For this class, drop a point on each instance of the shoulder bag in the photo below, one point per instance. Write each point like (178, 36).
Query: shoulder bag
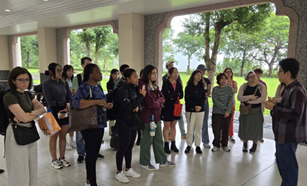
(244, 110)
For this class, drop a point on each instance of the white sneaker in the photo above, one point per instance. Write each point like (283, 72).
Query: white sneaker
(56, 164)
(226, 149)
(232, 139)
(132, 173)
(87, 184)
(68, 147)
(64, 162)
(207, 145)
(149, 167)
(121, 177)
(214, 149)
(73, 144)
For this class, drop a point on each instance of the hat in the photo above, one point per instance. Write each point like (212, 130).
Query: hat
(168, 63)
(246, 75)
(201, 67)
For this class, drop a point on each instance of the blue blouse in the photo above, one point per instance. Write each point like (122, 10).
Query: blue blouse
(83, 92)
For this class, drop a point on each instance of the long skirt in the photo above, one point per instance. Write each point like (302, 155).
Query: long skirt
(251, 125)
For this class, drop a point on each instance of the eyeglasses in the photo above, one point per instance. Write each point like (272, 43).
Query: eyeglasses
(23, 80)
(250, 77)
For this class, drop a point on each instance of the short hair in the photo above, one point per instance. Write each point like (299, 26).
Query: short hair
(292, 65)
(147, 70)
(191, 80)
(123, 67)
(52, 67)
(128, 73)
(85, 58)
(258, 71)
(88, 70)
(15, 73)
(65, 69)
(219, 77)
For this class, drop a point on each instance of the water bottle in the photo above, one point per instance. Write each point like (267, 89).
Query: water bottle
(152, 126)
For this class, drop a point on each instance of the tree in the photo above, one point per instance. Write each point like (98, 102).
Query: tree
(113, 47)
(249, 19)
(87, 36)
(188, 45)
(100, 39)
(271, 42)
(29, 51)
(168, 51)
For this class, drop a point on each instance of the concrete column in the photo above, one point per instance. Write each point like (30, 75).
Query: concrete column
(131, 40)
(18, 53)
(4, 53)
(47, 49)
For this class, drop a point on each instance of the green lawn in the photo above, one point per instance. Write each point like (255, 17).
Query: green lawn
(272, 84)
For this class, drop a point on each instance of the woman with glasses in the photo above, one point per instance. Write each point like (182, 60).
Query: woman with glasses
(251, 123)
(233, 84)
(58, 96)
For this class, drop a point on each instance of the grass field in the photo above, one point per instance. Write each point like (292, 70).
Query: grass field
(272, 84)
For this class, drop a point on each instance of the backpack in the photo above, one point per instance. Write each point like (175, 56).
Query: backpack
(4, 118)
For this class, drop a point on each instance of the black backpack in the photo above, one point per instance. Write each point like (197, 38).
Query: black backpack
(4, 118)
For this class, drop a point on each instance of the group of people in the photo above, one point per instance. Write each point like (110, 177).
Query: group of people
(142, 107)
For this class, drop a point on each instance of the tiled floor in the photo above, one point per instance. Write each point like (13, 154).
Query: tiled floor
(211, 169)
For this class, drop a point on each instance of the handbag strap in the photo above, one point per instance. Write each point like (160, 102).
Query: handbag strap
(255, 89)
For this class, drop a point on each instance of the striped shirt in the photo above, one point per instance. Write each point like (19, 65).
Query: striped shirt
(222, 98)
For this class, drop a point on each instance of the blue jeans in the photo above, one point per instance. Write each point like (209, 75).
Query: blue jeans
(287, 163)
(205, 136)
(80, 144)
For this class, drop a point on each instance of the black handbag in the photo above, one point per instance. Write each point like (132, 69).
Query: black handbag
(25, 135)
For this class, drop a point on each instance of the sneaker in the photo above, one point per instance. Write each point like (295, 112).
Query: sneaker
(56, 164)
(149, 167)
(100, 156)
(207, 145)
(184, 136)
(226, 149)
(262, 140)
(167, 164)
(188, 149)
(64, 162)
(121, 177)
(214, 149)
(232, 139)
(80, 159)
(73, 144)
(198, 150)
(87, 184)
(132, 173)
(68, 147)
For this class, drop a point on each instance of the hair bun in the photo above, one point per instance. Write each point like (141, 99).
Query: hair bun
(47, 73)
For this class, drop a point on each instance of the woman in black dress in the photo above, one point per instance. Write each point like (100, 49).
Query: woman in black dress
(172, 90)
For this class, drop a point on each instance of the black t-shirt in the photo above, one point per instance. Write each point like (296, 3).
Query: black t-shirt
(250, 91)
(207, 82)
(110, 86)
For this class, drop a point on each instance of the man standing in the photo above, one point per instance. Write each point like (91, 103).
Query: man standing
(169, 65)
(289, 121)
(207, 82)
(75, 86)
(122, 69)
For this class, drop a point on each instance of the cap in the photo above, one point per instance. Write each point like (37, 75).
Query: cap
(201, 67)
(168, 63)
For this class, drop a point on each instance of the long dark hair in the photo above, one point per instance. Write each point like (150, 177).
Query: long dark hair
(231, 72)
(113, 71)
(52, 67)
(146, 72)
(170, 71)
(191, 80)
(65, 69)
(88, 70)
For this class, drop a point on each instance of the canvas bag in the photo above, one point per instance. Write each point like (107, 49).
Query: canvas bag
(244, 110)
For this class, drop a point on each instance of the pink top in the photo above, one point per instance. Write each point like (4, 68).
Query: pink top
(262, 82)
(174, 85)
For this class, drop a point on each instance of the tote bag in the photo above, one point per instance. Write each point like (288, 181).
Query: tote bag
(177, 108)
(48, 124)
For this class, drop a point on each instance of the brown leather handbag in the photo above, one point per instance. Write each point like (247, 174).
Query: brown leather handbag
(244, 110)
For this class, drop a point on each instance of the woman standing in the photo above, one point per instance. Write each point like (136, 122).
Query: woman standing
(172, 90)
(233, 84)
(21, 160)
(92, 137)
(130, 99)
(58, 96)
(114, 76)
(195, 97)
(251, 124)
(68, 76)
(222, 97)
(152, 105)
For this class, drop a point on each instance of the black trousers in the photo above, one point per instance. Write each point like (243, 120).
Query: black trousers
(92, 139)
(126, 140)
(219, 123)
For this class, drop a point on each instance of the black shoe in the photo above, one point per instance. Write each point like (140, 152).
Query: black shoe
(138, 142)
(100, 156)
(254, 148)
(1, 171)
(166, 148)
(198, 150)
(173, 147)
(80, 159)
(262, 140)
(188, 149)
(245, 147)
